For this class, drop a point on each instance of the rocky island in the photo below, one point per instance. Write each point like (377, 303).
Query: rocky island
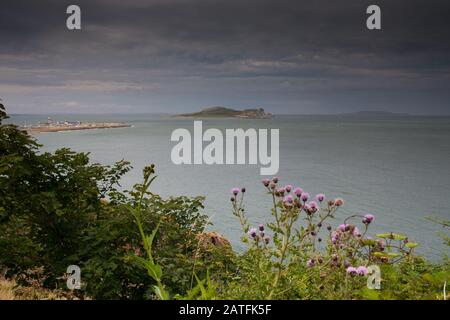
(224, 112)
(57, 126)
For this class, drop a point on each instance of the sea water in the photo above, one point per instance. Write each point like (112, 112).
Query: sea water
(395, 167)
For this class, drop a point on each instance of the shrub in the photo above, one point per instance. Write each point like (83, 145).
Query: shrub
(54, 213)
(112, 247)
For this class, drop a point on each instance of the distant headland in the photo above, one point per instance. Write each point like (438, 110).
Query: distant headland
(371, 113)
(224, 112)
(57, 126)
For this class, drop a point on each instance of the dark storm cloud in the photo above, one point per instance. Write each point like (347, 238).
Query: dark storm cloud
(311, 56)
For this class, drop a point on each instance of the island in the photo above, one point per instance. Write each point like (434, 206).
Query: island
(57, 126)
(224, 112)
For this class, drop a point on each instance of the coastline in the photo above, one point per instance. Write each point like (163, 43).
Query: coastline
(85, 126)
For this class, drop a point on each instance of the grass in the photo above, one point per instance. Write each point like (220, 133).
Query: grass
(9, 290)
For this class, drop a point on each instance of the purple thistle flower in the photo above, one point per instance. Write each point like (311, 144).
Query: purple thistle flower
(261, 227)
(334, 237)
(339, 202)
(368, 218)
(288, 199)
(313, 205)
(352, 271)
(305, 196)
(252, 232)
(362, 271)
(288, 188)
(266, 239)
(298, 191)
(266, 182)
(310, 263)
(342, 227)
(320, 197)
(281, 191)
(235, 191)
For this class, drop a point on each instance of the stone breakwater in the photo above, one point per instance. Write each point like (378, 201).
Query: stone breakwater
(81, 126)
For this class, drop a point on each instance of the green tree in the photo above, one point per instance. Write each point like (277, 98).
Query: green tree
(46, 202)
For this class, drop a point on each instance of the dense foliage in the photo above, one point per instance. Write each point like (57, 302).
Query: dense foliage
(59, 209)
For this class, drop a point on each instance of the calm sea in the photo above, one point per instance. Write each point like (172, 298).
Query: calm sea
(397, 168)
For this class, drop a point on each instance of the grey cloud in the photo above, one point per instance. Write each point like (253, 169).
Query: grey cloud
(303, 56)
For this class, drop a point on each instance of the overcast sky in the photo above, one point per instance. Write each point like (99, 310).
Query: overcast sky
(299, 56)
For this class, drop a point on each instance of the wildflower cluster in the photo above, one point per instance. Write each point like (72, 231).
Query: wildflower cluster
(297, 231)
(360, 271)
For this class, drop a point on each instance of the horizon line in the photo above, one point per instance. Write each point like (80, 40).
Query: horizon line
(355, 113)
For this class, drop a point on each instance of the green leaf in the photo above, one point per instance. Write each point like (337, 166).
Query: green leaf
(201, 286)
(380, 254)
(394, 236)
(151, 238)
(397, 236)
(411, 245)
(161, 293)
(393, 254)
(386, 254)
(154, 270)
(368, 242)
